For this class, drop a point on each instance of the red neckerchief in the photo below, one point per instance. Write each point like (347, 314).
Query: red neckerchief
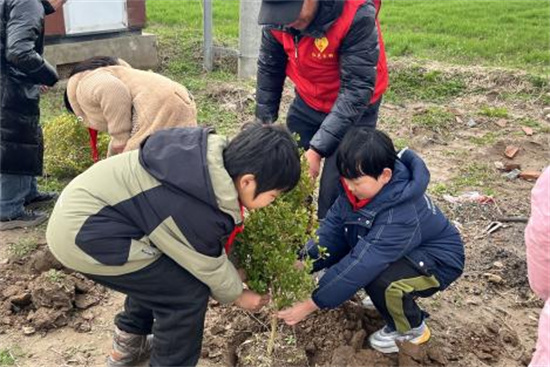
(235, 232)
(93, 144)
(355, 202)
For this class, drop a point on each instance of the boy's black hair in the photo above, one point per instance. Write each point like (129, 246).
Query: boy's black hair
(365, 151)
(269, 152)
(89, 64)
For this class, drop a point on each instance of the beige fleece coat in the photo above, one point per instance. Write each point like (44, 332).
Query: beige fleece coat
(129, 104)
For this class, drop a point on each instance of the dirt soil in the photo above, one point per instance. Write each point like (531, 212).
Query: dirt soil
(50, 316)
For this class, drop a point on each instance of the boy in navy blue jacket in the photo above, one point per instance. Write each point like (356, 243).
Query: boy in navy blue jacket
(384, 234)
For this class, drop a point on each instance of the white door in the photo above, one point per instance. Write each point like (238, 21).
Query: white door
(95, 16)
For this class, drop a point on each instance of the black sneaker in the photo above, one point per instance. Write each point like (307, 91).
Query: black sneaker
(41, 199)
(28, 219)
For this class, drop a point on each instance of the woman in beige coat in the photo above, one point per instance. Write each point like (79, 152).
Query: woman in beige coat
(129, 104)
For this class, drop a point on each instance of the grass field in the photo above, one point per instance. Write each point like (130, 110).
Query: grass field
(509, 33)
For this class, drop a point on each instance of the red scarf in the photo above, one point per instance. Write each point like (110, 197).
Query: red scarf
(355, 202)
(238, 229)
(93, 144)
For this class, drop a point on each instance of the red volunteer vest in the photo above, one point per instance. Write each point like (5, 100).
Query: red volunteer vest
(313, 64)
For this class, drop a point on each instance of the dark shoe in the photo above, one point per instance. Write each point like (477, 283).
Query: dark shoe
(41, 199)
(27, 220)
(129, 349)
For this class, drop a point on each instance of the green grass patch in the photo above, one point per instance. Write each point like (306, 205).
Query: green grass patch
(440, 189)
(23, 247)
(529, 122)
(6, 358)
(9, 356)
(496, 112)
(416, 83)
(434, 118)
(55, 276)
(474, 176)
(486, 139)
(512, 33)
(400, 143)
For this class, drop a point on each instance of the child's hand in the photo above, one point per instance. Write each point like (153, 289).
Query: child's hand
(252, 301)
(314, 162)
(298, 312)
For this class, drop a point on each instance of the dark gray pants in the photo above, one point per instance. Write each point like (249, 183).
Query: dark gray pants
(166, 300)
(305, 121)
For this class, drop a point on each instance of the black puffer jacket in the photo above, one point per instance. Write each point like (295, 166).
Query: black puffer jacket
(22, 71)
(359, 54)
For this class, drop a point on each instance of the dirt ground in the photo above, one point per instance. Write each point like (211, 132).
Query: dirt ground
(53, 317)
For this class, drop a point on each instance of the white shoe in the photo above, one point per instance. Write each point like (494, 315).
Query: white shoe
(384, 340)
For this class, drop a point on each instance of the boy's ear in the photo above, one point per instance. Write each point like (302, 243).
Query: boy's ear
(246, 180)
(386, 175)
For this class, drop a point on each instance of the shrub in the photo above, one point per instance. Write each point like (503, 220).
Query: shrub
(67, 149)
(267, 249)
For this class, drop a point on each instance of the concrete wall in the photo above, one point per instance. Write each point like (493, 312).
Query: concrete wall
(140, 50)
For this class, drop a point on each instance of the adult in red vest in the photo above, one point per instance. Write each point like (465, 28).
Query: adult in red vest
(333, 52)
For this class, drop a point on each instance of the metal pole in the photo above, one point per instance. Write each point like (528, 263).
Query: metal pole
(207, 35)
(250, 34)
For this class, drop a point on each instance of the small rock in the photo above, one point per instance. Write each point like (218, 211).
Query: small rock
(28, 330)
(437, 355)
(500, 123)
(511, 166)
(84, 301)
(458, 119)
(471, 301)
(492, 328)
(512, 175)
(217, 329)
(527, 130)
(88, 315)
(499, 165)
(511, 151)
(493, 278)
(529, 175)
(21, 299)
(498, 264)
(547, 117)
(310, 348)
(546, 110)
(471, 123)
(358, 339)
(414, 351)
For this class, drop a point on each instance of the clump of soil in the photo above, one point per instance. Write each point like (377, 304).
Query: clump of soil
(37, 295)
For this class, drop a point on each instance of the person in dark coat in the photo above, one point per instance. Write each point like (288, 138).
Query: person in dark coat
(333, 52)
(23, 73)
(384, 234)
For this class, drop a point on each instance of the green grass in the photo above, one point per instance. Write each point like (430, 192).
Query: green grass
(6, 358)
(416, 83)
(23, 247)
(9, 356)
(434, 118)
(496, 112)
(485, 140)
(511, 33)
(474, 176)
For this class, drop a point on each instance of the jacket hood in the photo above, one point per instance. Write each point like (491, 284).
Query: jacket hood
(409, 182)
(190, 160)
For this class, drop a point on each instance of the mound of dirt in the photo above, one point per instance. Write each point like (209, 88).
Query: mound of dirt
(37, 295)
